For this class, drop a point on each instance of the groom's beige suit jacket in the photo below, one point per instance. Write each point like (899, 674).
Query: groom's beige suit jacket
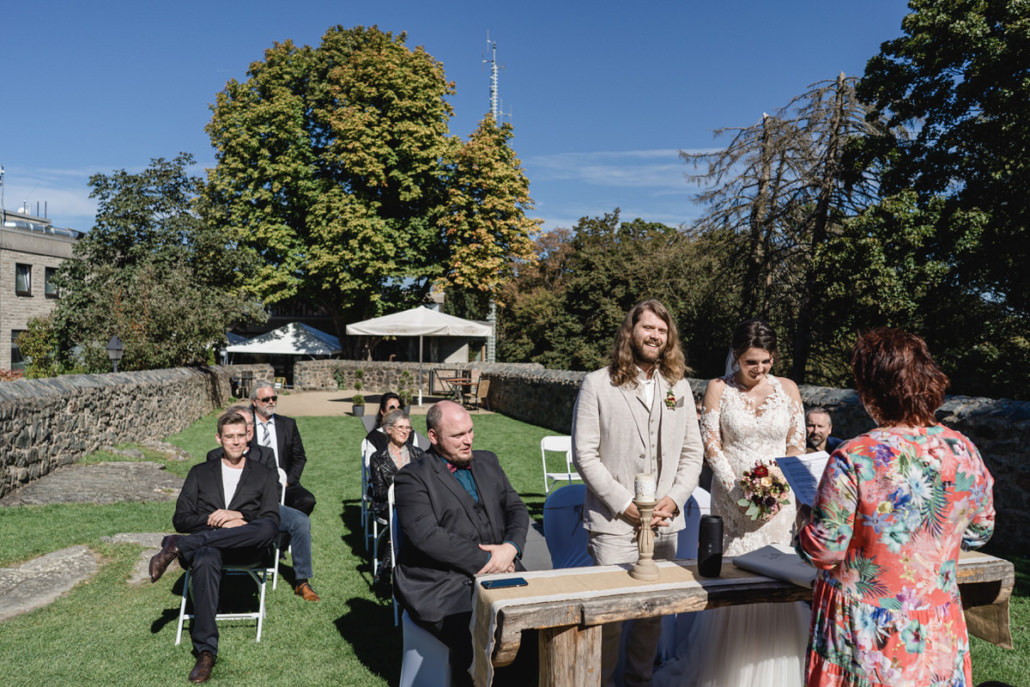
(614, 438)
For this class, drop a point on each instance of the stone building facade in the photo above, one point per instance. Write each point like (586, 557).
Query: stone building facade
(31, 249)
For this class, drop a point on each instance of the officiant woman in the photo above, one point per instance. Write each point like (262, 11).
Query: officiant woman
(894, 508)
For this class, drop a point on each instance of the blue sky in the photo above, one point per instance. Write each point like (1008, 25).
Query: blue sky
(602, 95)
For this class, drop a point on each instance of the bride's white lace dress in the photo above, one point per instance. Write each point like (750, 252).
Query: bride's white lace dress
(757, 645)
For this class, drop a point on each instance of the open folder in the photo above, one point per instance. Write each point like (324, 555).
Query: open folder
(803, 474)
(779, 562)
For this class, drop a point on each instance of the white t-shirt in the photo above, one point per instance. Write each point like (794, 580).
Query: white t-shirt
(230, 480)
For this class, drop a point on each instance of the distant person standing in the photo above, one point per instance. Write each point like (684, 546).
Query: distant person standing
(636, 416)
(280, 434)
(818, 425)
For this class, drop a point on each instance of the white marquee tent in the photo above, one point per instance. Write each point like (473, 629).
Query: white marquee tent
(420, 322)
(295, 338)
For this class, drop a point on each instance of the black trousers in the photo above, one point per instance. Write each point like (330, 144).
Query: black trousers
(205, 553)
(300, 498)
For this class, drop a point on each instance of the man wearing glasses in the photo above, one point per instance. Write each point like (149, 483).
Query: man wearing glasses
(280, 434)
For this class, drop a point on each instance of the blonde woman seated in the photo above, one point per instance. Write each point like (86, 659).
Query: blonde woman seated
(384, 465)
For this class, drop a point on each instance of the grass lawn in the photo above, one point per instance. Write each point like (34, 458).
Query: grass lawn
(108, 631)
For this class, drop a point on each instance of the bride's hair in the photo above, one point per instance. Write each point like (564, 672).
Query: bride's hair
(623, 367)
(753, 334)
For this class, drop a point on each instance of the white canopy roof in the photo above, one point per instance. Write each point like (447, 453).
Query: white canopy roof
(420, 321)
(295, 338)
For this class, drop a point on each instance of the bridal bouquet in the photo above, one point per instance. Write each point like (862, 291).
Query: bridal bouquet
(765, 491)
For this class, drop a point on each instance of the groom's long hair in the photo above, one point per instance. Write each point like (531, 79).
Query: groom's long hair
(623, 367)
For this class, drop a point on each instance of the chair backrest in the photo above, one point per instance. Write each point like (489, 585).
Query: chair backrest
(282, 483)
(697, 505)
(563, 527)
(556, 443)
(392, 510)
(421, 440)
(482, 389)
(367, 449)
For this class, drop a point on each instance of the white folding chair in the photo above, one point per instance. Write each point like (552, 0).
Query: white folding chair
(563, 527)
(278, 540)
(367, 449)
(426, 660)
(557, 444)
(257, 572)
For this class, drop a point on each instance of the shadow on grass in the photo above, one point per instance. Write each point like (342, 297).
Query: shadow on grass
(376, 642)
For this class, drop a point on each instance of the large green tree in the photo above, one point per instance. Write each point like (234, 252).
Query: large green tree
(959, 78)
(336, 170)
(150, 271)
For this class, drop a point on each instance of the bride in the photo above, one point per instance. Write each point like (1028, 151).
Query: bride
(748, 415)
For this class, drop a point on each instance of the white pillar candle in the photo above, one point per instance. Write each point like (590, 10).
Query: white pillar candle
(644, 486)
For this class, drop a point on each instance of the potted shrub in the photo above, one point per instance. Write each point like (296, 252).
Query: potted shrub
(405, 391)
(358, 401)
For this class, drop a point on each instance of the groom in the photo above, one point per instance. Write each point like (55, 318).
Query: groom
(636, 416)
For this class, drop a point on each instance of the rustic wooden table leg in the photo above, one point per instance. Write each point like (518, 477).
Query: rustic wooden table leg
(570, 656)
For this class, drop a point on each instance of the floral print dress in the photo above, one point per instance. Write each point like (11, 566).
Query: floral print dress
(893, 509)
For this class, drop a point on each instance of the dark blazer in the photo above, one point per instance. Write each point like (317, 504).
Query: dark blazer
(441, 528)
(256, 497)
(288, 446)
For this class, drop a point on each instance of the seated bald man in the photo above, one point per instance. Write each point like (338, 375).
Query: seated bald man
(459, 517)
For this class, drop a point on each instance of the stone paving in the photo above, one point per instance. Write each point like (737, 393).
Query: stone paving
(38, 582)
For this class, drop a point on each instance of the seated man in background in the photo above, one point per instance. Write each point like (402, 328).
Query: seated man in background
(818, 425)
(280, 434)
(459, 517)
(292, 522)
(230, 508)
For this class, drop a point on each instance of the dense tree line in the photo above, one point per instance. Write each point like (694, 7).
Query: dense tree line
(897, 199)
(337, 184)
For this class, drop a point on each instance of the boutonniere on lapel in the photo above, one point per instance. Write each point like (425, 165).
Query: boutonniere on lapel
(670, 400)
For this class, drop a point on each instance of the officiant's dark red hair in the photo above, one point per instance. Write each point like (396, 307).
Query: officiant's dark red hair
(896, 377)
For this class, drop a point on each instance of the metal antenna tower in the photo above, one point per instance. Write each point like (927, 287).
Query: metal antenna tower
(495, 110)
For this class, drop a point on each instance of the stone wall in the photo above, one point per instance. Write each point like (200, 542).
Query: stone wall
(47, 423)
(999, 428)
(382, 376)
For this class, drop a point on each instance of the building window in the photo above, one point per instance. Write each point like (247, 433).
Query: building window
(49, 287)
(18, 361)
(23, 279)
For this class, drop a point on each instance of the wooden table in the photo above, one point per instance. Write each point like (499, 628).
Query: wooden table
(568, 607)
(459, 384)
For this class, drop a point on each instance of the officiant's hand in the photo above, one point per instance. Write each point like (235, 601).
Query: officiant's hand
(803, 517)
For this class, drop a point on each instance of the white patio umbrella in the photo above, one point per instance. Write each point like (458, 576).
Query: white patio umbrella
(420, 322)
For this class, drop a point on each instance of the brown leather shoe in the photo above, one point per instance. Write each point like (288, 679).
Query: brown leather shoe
(163, 558)
(202, 668)
(305, 591)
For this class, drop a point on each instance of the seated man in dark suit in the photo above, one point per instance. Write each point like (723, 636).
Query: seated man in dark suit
(818, 425)
(230, 508)
(280, 434)
(292, 522)
(459, 517)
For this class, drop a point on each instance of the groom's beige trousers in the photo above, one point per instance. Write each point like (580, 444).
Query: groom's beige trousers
(642, 642)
